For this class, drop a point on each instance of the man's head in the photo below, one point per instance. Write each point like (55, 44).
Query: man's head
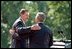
(24, 14)
(40, 17)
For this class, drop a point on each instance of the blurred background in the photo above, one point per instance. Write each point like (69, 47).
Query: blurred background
(58, 17)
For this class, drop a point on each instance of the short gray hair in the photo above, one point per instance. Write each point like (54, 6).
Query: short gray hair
(41, 16)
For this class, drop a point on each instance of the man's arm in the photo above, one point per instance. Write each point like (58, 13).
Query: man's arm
(51, 40)
(18, 25)
(14, 34)
(23, 30)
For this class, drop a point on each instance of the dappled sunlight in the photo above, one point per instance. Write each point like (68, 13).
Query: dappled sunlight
(58, 18)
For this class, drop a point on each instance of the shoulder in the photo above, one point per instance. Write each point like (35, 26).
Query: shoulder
(18, 21)
(48, 28)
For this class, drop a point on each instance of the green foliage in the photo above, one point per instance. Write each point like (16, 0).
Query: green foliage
(58, 16)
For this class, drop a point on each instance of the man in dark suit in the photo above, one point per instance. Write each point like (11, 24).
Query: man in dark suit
(19, 39)
(42, 38)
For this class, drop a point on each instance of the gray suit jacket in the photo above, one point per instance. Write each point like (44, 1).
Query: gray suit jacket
(19, 41)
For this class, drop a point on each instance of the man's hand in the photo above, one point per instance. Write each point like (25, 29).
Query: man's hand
(14, 34)
(11, 31)
(35, 27)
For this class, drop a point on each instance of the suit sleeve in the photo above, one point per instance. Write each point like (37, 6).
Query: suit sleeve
(50, 34)
(15, 35)
(51, 39)
(23, 30)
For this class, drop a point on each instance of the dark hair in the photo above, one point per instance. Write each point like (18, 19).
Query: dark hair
(22, 11)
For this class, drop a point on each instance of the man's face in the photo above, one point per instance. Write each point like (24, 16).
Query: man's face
(25, 16)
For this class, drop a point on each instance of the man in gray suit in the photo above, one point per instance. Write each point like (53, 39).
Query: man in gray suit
(19, 39)
(42, 38)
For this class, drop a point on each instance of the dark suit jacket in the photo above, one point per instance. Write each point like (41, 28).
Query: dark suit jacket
(19, 41)
(40, 38)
